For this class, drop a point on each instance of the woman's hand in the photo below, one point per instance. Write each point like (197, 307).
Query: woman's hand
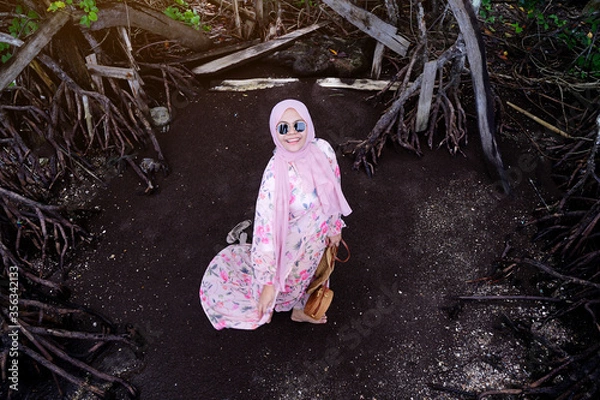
(265, 300)
(334, 240)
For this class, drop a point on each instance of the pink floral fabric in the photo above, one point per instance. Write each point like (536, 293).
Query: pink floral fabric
(232, 282)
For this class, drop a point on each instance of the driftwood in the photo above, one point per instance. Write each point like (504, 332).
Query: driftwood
(253, 52)
(392, 12)
(357, 84)
(367, 151)
(214, 53)
(426, 95)
(467, 21)
(371, 25)
(447, 99)
(151, 21)
(447, 102)
(29, 51)
(242, 85)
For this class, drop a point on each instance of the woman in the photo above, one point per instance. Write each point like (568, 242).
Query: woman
(298, 213)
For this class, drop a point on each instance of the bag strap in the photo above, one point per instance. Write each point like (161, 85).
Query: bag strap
(347, 251)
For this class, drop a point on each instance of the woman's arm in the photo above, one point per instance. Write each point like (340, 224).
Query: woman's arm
(335, 222)
(263, 247)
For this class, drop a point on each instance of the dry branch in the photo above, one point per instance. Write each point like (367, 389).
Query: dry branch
(81, 365)
(29, 51)
(540, 121)
(32, 220)
(9, 39)
(48, 345)
(358, 84)
(371, 25)
(48, 364)
(253, 52)
(135, 15)
(371, 147)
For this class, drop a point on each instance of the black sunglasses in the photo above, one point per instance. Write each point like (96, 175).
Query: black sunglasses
(283, 128)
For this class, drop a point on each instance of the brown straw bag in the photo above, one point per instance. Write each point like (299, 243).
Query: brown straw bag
(321, 295)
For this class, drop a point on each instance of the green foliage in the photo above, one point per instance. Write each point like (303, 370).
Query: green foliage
(181, 11)
(88, 6)
(21, 26)
(486, 12)
(582, 41)
(517, 27)
(545, 22)
(581, 38)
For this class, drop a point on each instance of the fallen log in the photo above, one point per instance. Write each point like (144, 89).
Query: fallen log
(371, 25)
(214, 53)
(253, 52)
(242, 85)
(357, 84)
(150, 20)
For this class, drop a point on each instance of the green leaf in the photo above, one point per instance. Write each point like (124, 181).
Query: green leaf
(57, 5)
(85, 21)
(170, 12)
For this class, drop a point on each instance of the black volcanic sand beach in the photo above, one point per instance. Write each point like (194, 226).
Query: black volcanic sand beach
(423, 231)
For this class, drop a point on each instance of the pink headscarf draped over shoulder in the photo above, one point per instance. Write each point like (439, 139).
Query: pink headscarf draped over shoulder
(314, 168)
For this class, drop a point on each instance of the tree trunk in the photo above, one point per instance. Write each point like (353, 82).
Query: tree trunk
(467, 22)
(147, 19)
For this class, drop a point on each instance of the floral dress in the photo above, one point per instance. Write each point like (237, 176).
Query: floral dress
(232, 282)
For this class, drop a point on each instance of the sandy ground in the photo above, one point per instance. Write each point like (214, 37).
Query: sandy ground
(422, 229)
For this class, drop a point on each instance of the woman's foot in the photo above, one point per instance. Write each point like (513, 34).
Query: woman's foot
(298, 315)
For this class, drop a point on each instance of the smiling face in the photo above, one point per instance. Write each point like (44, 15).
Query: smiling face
(293, 140)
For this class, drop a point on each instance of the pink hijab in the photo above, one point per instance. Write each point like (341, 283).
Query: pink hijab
(314, 168)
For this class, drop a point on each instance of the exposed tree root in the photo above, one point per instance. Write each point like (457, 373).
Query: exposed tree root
(397, 123)
(571, 231)
(41, 326)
